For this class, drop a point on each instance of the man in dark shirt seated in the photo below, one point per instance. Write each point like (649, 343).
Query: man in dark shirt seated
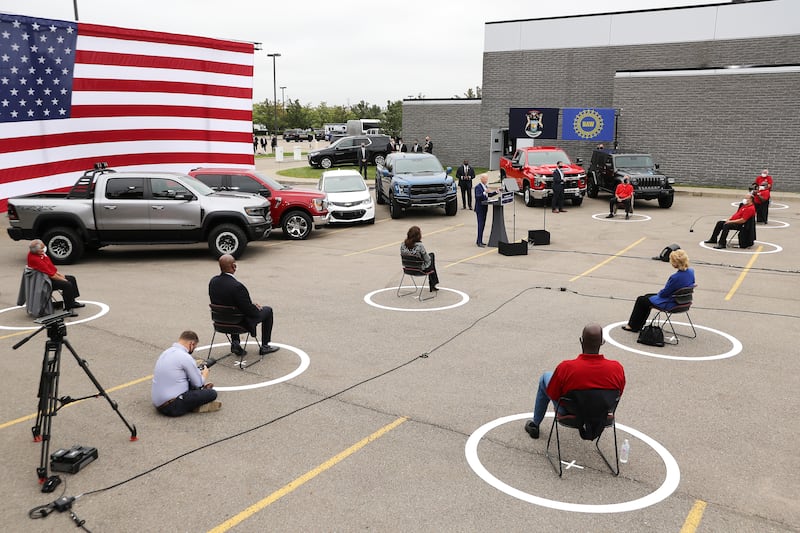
(225, 289)
(745, 212)
(590, 370)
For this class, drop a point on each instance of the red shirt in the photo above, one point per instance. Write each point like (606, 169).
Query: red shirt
(42, 263)
(746, 212)
(587, 371)
(762, 195)
(623, 191)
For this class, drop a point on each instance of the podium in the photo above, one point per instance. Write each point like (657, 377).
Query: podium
(498, 223)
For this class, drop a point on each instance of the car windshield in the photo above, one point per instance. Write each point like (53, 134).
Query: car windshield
(417, 165)
(550, 157)
(344, 184)
(200, 187)
(271, 182)
(634, 161)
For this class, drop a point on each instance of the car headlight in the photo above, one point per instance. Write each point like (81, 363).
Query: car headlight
(670, 180)
(320, 204)
(634, 181)
(255, 211)
(367, 202)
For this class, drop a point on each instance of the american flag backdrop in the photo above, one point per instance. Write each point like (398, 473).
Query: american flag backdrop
(72, 94)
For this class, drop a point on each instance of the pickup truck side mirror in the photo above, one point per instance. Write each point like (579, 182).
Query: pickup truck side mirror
(579, 161)
(385, 173)
(448, 170)
(187, 197)
(657, 166)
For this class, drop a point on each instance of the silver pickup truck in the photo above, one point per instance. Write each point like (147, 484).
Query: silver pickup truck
(107, 207)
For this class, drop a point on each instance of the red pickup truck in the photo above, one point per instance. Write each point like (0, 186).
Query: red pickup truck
(533, 167)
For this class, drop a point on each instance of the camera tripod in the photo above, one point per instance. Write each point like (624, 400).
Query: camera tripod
(49, 402)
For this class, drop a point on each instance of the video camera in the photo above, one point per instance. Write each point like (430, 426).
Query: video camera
(208, 363)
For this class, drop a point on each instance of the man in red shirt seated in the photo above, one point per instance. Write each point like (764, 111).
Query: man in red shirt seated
(68, 285)
(590, 370)
(623, 194)
(745, 212)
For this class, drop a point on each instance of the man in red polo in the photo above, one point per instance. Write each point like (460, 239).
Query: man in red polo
(590, 370)
(68, 285)
(623, 194)
(762, 188)
(745, 212)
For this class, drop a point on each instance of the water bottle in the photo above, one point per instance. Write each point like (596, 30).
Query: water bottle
(623, 453)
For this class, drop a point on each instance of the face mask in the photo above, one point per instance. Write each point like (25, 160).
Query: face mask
(764, 174)
(44, 249)
(744, 200)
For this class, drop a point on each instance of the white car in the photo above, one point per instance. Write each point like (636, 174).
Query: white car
(349, 199)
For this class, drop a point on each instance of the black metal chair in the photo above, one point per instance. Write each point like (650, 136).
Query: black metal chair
(43, 303)
(746, 234)
(229, 320)
(413, 268)
(589, 411)
(683, 298)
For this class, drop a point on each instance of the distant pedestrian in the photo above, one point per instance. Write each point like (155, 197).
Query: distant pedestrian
(400, 146)
(428, 148)
(762, 188)
(416, 147)
(482, 194)
(464, 175)
(274, 142)
(363, 159)
(558, 188)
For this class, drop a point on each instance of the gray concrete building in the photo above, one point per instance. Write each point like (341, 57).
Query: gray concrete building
(711, 91)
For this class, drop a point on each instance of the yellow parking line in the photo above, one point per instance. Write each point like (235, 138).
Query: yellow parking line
(23, 332)
(609, 259)
(112, 389)
(740, 279)
(308, 476)
(396, 243)
(693, 519)
(487, 252)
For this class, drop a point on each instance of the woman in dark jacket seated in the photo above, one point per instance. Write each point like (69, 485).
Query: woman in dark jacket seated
(684, 277)
(413, 246)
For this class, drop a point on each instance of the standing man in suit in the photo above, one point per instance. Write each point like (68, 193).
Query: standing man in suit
(465, 175)
(558, 188)
(392, 147)
(225, 289)
(416, 147)
(482, 194)
(400, 146)
(428, 148)
(363, 159)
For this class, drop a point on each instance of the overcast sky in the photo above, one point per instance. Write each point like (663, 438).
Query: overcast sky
(341, 51)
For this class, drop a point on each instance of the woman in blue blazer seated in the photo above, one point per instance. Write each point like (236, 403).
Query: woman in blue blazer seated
(684, 277)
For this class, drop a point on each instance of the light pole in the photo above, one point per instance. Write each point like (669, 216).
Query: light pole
(274, 93)
(283, 97)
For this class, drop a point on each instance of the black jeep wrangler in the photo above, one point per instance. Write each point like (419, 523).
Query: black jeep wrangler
(609, 166)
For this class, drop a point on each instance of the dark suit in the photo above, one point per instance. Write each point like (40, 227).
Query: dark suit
(363, 158)
(224, 289)
(481, 209)
(558, 189)
(401, 147)
(465, 175)
(416, 148)
(428, 147)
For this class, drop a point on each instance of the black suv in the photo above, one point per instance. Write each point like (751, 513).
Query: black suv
(345, 151)
(298, 135)
(609, 166)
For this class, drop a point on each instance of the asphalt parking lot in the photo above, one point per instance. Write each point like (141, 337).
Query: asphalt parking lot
(389, 414)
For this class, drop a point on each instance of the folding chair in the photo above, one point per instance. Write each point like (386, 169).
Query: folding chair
(746, 234)
(37, 295)
(589, 411)
(683, 298)
(412, 267)
(229, 320)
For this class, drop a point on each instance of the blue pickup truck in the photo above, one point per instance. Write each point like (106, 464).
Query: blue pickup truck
(415, 180)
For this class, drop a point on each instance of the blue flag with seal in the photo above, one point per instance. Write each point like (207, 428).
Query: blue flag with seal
(587, 124)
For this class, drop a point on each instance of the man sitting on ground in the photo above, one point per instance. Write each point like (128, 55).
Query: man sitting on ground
(623, 194)
(179, 386)
(68, 285)
(590, 370)
(745, 212)
(225, 289)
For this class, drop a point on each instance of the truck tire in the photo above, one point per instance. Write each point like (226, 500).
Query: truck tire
(63, 245)
(227, 239)
(379, 199)
(527, 195)
(394, 209)
(592, 188)
(296, 225)
(451, 208)
(378, 159)
(665, 202)
(326, 162)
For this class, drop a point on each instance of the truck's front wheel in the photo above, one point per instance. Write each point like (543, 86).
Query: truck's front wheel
(63, 245)
(451, 208)
(296, 225)
(395, 211)
(227, 239)
(527, 194)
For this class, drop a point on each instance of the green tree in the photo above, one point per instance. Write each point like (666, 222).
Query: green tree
(298, 115)
(392, 119)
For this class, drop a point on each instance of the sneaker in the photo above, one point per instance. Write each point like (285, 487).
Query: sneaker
(209, 407)
(265, 349)
(610, 215)
(236, 349)
(532, 429)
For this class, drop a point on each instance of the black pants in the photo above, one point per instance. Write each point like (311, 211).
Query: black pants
(721, 229)
(433, 277)
(188, 401)
(614, 203)
(641, 310)
(265, 316)
(762, 212)
(558, 198)
(362, 168)
(466, 193)
(68, 288)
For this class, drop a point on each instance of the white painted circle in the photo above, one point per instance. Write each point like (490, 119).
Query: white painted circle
(103, 310)
(729, 250)
(621, 218)
(735, 349)
(773, 205)
(305, 361)
(669, 485)
(368, 299)
(780, 224)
